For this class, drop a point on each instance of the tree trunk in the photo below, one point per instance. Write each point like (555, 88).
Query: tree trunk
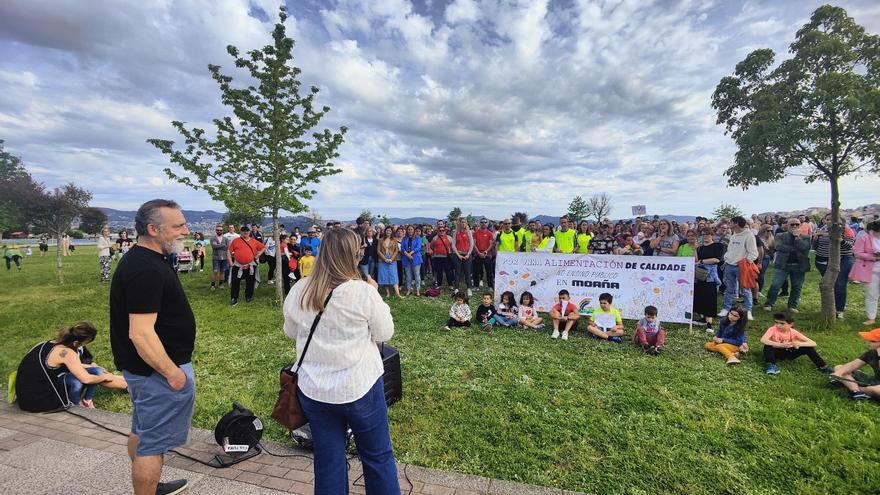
(279, 281)
(826, 285)
(59, 270)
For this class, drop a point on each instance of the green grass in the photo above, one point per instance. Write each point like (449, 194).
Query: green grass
(581, 415)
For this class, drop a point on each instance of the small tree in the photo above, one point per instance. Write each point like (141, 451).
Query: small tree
(239, 218)
(56, 211)
(19, 193)
(522, 216)
(725, 210)
(384, 220)
(454, 214)
(315, 218)
(366, 216)
(263, 158)
(816, 115)
(471, 220)
(577, 209)
(599, 206)
(92, 221)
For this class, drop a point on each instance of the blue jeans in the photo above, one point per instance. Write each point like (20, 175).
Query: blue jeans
(846, 264)
(369, 269)
(765, 265)
(731, 284)
(780, 274)
(505, 322)
(413, 275)
(75, 387)
(368, 419)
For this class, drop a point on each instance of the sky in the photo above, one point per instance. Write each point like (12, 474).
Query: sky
(493, 106)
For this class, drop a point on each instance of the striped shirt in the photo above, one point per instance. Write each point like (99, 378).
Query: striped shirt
(343, 361)
(823, 243)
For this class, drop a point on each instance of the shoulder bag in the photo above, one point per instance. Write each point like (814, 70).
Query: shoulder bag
(287, 410)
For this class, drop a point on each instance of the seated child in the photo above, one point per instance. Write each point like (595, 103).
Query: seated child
(782, 341)
(649, 334)
(563, 311)
(606, 323)
(527, 315)
(459, 313)
(507, 311)
(486, 313)
(730, 339)
(862, 385)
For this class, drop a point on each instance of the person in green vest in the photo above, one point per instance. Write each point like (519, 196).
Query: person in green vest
(12, 255)
(523, 236)
(565, 237)
(547, 240)
(506, 239)
(690, 247)
(582, 241)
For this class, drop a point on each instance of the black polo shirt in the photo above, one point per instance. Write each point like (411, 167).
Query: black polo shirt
(143, 283)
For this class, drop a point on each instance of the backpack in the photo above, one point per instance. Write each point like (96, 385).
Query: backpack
(433, 292)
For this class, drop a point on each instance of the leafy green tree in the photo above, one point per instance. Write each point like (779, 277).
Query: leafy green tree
(523, 217)
(815, 115)
(92, 221)
(471, 220)
(19, 193)
(239, 218)
(366, 216)
(56, 210)
(454, 214)
(727, 211)
(598, 206)
(265, 157)
(577, 209)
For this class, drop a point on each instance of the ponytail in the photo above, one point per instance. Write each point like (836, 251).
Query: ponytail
(81, 332)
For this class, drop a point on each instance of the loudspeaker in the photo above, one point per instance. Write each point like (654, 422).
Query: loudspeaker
(392, 377)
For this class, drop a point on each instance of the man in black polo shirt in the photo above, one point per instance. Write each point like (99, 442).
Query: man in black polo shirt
(152, 334)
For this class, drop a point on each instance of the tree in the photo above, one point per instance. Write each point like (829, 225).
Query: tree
(239, 218)
(384, 220)
(366, 216)
(19, 193)
(454, 214)
(577, 209)
(523, 217)
(55, 211)
(599, 206)
(92, 221)
(727, 211)
(471, 220)
(262, 158)
(815, 115)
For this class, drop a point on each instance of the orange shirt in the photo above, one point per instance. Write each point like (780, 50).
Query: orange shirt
(242, 253)
(775, 335)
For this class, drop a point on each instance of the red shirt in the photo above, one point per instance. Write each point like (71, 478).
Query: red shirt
(440, 245)
(463, 242)
(241, 253)
(482, 239)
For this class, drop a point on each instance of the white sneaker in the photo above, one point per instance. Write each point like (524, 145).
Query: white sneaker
(749, 314)
(470, 293)
(271, 282)
(565, 335)
(840, 315)
(722, 313)
(733, 360)
(793, 311)
(555, 334)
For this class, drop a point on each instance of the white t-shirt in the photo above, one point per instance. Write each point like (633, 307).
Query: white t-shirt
(876, 250)
(343, 362)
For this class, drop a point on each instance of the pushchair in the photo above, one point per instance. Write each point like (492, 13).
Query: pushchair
(184, 262)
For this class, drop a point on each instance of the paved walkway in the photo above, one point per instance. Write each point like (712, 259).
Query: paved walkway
(83, 458)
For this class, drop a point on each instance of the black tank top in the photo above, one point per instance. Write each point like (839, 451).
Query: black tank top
(38, 387)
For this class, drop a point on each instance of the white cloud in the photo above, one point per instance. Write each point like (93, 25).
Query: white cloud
(462, 11)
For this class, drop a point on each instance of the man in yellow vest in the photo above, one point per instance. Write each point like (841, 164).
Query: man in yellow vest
(506, 240)
(523, 236)
(565, 237)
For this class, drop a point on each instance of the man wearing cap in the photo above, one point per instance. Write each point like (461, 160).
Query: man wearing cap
(242, 255)
(861, 385)
(484, 243)
(310, 241)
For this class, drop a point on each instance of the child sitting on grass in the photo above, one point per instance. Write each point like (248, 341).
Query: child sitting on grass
(649, 334)
(606, 323)
(486, 313)
(563, 311)
(730, 339)
(507, 310)
(528, 317)
(782, 341)
(459, 313)
(862, 385)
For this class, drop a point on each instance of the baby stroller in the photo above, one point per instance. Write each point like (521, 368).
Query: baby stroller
(184, 262)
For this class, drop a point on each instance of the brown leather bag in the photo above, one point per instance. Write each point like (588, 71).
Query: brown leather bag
(287, 410)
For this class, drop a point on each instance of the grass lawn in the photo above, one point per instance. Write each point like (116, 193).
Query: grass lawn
(581, 415)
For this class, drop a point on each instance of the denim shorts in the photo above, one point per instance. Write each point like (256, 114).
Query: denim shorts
(219, 265)
(160, 415)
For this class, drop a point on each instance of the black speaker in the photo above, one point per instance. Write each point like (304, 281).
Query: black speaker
(392, 378)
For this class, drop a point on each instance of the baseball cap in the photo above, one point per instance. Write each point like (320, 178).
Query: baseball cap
(245, 227)
(871, 335)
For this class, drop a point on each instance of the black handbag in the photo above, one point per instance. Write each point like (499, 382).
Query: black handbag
(287, 410)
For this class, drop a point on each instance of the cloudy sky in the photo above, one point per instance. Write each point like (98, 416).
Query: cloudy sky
(493, 106)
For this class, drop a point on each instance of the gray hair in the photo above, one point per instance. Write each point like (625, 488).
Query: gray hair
(149, 214)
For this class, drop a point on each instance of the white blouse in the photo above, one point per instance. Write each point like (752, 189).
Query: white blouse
(343, 362)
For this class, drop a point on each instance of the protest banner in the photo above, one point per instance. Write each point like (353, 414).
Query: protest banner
(634, 281)
(639, 210)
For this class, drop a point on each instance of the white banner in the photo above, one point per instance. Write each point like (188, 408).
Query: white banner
(666, 282)
(639, 210)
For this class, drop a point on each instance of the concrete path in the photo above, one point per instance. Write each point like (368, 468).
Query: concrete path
(59, 453)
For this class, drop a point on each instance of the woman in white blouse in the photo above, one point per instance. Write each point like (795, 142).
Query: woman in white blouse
(105, 254)
(340, 382)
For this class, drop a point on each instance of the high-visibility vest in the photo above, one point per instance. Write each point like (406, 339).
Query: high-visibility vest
(583, 242)
(565, 240)
(507, 242)
(543, 243)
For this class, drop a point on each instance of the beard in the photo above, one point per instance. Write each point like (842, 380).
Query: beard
(173, 247)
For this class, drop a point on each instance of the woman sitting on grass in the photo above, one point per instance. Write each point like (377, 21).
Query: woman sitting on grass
(52, 375)
(730, 339)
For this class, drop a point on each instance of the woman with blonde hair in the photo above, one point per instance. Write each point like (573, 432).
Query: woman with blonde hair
(389, 252)
(339, 319)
